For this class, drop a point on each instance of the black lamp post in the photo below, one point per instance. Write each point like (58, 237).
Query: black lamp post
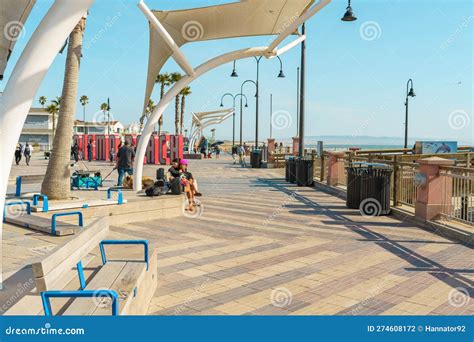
(410, 93)
(233, 114)
(257, 95)
(108, 116)
(349, 15)
(241, 120)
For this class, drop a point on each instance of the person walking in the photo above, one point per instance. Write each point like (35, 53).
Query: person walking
(27, 153)
(75, 152)
(125, 157)
(241, 151)
(18, 151)
(89, 151)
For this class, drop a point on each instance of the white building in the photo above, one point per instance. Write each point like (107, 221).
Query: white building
(98, 127)
(38, 129)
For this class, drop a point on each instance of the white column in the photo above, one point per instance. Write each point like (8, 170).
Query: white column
(27, 75)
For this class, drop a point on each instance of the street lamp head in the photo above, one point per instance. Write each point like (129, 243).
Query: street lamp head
(281, 74)
(349, 15)
(234, 74)
(246, 105)
(411, 93)
(222, 105)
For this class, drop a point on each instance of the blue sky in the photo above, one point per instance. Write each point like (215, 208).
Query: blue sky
(356, 72)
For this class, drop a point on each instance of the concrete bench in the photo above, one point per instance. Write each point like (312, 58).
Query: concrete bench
(53, 226)
(27, 179)
(120, 287)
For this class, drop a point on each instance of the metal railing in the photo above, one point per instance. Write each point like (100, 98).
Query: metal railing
(404, 184)
(458, 192)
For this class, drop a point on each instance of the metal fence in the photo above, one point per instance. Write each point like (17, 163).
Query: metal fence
(458, 190)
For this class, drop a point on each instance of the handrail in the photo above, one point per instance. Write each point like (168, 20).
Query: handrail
(124, 242)
(45, 296)
(55, 216)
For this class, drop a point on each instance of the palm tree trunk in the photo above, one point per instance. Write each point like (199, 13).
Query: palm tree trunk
(176, 115)
(181, 120)
(56, 184)
(160, 121)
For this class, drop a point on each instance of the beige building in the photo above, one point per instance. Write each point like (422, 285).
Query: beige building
(38, 129)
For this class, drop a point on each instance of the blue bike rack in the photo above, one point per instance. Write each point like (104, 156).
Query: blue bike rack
(18, 186)
(9, 204)
(119, 193)
(45, 296)
(124, 242)
(36, 198)
(55, 216)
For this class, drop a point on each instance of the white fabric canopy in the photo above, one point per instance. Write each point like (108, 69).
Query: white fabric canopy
(13, 14)
(239, 19)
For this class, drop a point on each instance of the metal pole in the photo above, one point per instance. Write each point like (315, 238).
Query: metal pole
(257, 101)
(233, 123)
(302, 96)
(241, 91)
(108, 116)
(271, 115)
(297, 99)
(406, 123)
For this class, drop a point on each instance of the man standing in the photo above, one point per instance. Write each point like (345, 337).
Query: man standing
(89, 151)
(125, 157)
(18, 152)
(27, 153)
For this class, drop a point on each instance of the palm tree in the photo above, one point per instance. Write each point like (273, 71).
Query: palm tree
(104, 107)
(42, 100)
(84, 100)
(164, 80)
(175, 77)
(53, 109)
(185, 92)
(57, 183)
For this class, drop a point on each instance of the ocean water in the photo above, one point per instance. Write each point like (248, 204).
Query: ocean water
(343, 147)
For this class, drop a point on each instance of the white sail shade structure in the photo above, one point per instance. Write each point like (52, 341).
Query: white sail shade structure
(203, 120)
(169, 30)
(13, 15)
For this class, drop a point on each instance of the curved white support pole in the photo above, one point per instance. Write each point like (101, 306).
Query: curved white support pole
(27, 75)
(212, 121)
(170, 95)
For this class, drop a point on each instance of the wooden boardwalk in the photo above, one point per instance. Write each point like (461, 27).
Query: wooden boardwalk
(261, 246)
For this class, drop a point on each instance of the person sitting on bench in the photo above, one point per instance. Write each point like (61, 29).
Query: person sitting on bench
(173, 171)
(188, 182)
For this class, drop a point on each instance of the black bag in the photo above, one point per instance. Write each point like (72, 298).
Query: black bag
(176, 186)
(160, 173)
(159, 188)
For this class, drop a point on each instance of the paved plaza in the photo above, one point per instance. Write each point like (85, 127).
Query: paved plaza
(260, 246)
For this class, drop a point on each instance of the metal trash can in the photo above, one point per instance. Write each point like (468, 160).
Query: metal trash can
(368, 188)
(290, 169)
(256, 159)
(304, 172)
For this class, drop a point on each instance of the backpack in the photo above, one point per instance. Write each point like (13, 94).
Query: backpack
(159, 188)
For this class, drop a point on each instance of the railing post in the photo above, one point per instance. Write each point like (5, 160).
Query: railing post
(296, 144)
(323, 168)
(436, 190)
(395, 181)
(335, 168)
(271, 150)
